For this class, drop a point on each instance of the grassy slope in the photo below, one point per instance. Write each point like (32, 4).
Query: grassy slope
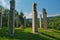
(26, 34)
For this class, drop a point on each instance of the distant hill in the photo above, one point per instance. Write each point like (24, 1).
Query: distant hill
(53, 22)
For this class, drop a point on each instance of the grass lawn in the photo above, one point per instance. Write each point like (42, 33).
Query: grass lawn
(26, 34)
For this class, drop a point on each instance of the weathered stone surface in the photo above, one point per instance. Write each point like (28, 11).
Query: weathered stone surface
(40, 21)
(17, 20)
(0, 19)
(24, 21)
(34, 18)
(11, 17)
(45, 18)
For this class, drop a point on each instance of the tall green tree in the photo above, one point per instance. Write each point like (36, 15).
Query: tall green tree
(5, 17)
(1, 8)
(21, 20)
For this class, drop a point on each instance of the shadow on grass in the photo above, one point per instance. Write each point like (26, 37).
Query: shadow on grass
(50, 36)
(56, 31)
(20, 35)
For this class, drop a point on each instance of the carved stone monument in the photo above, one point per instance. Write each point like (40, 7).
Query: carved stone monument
(24, 21)
(17, 20)
(34, 18)
(45, 18)
(40, 21)
(11, 17)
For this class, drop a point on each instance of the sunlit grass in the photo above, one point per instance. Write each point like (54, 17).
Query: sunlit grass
(26, 34)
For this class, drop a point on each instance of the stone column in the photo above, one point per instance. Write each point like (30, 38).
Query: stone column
(0, 19)
(34, 18)
(25, 21)
(40, 21)
(45, 18)
(8, 20)
(11, 17)
(17, 21)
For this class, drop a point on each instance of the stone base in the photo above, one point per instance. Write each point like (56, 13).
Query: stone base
(36, 32)
(22, 27)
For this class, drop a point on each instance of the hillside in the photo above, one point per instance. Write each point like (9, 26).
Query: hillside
(53, 22)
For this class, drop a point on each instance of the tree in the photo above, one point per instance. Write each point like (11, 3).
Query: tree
(1, 8)
(21, 20)
(5, 17)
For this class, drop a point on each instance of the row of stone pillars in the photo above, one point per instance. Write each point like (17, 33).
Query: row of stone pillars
(44, 21)
(11, 20)
(34, 19)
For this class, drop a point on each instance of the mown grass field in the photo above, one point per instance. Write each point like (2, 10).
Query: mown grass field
(26, 34)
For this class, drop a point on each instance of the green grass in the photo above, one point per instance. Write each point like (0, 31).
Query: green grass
(26, 34)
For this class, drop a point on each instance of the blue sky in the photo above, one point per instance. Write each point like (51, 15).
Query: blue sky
(52, 6)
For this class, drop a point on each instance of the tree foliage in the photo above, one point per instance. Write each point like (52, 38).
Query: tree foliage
(21, 18)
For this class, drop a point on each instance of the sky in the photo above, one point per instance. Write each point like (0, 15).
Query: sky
(52, 6)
